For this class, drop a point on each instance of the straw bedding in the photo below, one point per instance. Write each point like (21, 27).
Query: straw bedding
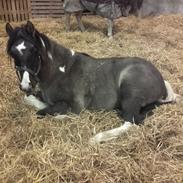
(50, 150)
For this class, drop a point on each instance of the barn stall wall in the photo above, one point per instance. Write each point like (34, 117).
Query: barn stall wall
(46, 8)
(20, 10)
(14, 10)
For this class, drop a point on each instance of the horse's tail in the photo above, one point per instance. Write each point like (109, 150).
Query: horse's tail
(171, 96)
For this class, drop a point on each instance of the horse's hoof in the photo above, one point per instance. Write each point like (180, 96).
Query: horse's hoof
(41, 113)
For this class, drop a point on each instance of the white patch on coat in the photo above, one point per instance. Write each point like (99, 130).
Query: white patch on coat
(171, 96)
(35, 102)
(122, 75)
(42, 42)
(50, 56)
(62, 69)
(25, 81)
(72, 52)
(63, 116)
(21, 47)
(111, 134)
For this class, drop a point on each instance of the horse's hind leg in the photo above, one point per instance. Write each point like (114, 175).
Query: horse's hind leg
(171, 96)
(67, 21)
(110, 27)
(131, 110)
(80, 24)
(131, 114)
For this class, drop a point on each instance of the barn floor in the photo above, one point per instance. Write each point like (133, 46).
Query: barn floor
(49, 150)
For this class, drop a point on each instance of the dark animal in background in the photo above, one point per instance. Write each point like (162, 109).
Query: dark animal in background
(110, 9)
(113, 9)
(159, 7)
(71, 81)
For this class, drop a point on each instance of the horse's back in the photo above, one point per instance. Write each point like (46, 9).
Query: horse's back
(72, 6)
(116, 78)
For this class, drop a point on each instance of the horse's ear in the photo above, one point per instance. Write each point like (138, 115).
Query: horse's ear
(9, 29)
(30, 28)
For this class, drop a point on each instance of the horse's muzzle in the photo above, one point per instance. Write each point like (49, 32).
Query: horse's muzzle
(27, 89)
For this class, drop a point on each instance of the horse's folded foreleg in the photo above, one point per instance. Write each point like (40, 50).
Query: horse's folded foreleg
(35, 101)
(58, 108)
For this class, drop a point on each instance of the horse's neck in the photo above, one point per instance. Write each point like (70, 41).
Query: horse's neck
(56, 56)
(61, 55)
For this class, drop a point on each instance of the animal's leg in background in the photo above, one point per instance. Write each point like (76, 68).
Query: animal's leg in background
(138, 14)
(80, 24)
(67, 21)
(110, 27)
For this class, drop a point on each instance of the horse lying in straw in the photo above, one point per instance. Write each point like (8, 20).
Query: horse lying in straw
(70, 81)
(113, 9)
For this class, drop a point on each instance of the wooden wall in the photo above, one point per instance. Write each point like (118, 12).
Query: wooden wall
(47, 8)
(19, 10)
(15, 10)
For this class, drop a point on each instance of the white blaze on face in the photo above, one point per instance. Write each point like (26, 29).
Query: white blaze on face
(25, 81)
(21, 47)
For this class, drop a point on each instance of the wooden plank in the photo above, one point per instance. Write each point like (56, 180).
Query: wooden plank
(5, 10)
(47, 8)
(25, 9)
(46, 4)
(45, 11)
(21, 8)
(47, 16)
(1, 11)
(13, 10)
(45, 1)
(8, 5)
(17, 7)
(29, 8)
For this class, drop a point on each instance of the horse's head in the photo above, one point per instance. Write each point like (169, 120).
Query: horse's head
(24, 46)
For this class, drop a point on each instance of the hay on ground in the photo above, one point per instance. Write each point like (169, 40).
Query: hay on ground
(48, 150)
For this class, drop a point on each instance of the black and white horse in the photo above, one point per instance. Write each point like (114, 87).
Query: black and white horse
(70, 81)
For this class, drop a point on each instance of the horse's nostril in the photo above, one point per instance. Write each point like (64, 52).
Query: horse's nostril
(25, 89)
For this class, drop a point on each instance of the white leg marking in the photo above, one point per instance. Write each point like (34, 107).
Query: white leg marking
(111, 134)
(21, 47)
(33, 101)
(62, 69)
(62, 116)
(72, 52)
(171, 96)
(25, 81)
